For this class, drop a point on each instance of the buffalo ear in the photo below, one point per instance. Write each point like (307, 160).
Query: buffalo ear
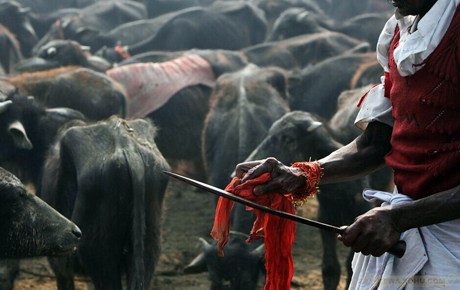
(17, 131)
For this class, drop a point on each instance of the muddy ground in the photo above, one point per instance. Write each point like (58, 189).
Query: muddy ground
(188, 215)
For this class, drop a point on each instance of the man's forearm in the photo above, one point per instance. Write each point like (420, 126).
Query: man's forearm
(357, 159)
(436, 208)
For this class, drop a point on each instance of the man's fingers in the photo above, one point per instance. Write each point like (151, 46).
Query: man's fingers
(256, 171)
(242, 168)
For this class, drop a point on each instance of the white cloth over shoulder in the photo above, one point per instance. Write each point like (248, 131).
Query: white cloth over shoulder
(418, 39)
(431, 260)
(375, 107)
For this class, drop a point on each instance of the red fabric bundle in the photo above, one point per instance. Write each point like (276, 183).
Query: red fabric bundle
(278, 232)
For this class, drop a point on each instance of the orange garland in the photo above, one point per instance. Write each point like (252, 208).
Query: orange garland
(313, 172)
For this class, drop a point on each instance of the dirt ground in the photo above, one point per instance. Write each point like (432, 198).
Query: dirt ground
(188, 215)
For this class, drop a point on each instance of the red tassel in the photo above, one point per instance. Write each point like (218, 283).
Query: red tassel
(279, 233)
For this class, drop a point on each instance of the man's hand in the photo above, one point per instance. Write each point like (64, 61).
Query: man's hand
(372, 233)
(285, 179)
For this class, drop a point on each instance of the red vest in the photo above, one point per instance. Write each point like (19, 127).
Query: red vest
(425, 152)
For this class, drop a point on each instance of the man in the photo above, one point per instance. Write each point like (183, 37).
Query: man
(410, 122)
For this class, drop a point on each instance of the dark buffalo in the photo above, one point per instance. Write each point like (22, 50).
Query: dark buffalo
(28, 226)
(297, 21)
(273, 9)
(90, 24)
(58, 53)
(317, 87)
(239, 269)
(242, 107)
(298, 136)
(107, 178)
(223, 25)
(302, 51)
(27, 131)
(16, 18)
(92, 93)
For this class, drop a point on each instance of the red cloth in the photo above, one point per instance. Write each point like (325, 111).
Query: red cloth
(279, 233)
(426, 106)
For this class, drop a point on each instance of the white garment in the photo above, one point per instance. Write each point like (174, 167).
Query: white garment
(431, 260)
(418, 39)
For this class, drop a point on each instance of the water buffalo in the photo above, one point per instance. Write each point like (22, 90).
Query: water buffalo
(317, 87)
(85, 90)
(239, 269)
(302, 51)
(28, 226)
(223, 25)
(298, 136)
(16, 18)
(106, 177)
(274, 8)
(90, 24)
(242, 107)
(27, 130)
(297, 21)
(59, 53)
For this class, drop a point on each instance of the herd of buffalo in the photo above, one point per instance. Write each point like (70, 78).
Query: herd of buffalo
(99, 97)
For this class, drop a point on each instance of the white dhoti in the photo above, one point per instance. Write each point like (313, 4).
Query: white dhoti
(431, 260)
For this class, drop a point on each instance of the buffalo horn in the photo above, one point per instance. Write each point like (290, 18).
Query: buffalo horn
(198, 265)
(314, 125)
(4, 105)
(259, 251)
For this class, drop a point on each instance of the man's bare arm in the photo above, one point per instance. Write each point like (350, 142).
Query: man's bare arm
(360, 157)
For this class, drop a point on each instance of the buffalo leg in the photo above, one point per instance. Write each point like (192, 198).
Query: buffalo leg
(63, 269)
(9, 269)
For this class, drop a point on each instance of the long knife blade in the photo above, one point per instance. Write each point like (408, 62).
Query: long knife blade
(398, 249)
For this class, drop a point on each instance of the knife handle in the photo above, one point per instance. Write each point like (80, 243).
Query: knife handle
(398, 249)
